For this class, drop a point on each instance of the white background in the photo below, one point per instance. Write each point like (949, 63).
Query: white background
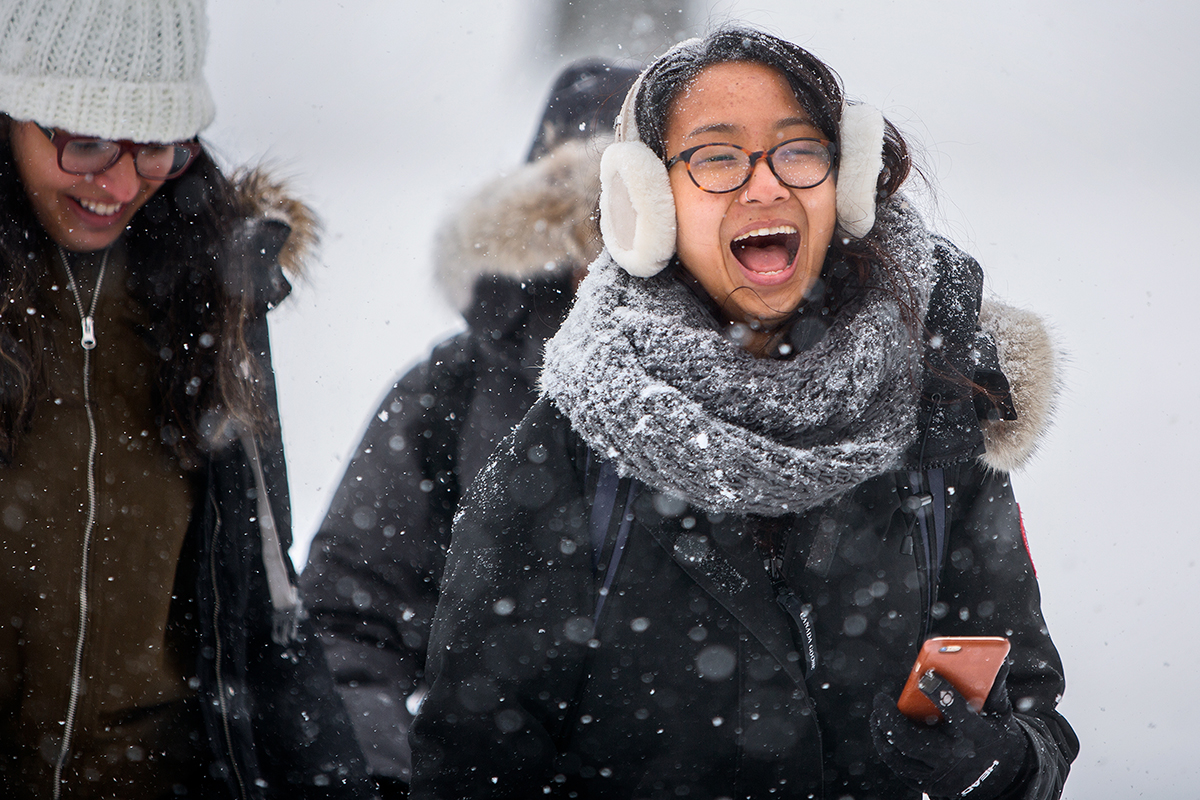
(1062, 139)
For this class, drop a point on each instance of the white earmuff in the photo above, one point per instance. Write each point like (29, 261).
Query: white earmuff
(861, 147)
(637, 209)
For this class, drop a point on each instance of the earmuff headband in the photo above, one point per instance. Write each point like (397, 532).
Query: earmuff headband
(637, 209)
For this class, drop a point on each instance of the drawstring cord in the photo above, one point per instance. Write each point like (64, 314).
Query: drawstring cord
(285, 600)
(88, 342)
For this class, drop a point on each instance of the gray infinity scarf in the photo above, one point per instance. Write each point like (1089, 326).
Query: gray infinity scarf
(646, 377)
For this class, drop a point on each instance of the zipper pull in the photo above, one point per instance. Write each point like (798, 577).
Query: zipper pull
(774, 568)
(88, 340)
(801, 614)
(914, 503)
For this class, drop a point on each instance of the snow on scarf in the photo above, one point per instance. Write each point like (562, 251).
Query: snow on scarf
(646, 377)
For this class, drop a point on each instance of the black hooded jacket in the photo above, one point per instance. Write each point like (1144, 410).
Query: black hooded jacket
(275, 724)
(635, 646)
(371, 583)
(263, 715)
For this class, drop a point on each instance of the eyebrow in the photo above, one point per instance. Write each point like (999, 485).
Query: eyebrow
(725, 127)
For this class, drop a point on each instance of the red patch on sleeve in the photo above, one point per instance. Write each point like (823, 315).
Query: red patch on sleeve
(1025, 540)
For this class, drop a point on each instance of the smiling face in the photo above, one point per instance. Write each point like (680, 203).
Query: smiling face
(757, 250)
(79, 212)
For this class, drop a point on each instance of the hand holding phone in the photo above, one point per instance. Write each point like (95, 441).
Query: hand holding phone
(967, 754)
(969, 663)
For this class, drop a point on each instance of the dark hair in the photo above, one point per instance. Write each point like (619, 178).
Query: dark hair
(185, 269)
(817, 88)
(819, 91)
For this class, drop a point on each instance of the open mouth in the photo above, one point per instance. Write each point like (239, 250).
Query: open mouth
(767, 251)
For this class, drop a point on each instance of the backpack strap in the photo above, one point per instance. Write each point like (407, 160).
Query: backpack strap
(604, 502)
(929, 499)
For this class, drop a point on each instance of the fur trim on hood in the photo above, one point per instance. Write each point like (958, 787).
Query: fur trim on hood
(262, 196)
(1031, 360)
(538, 219)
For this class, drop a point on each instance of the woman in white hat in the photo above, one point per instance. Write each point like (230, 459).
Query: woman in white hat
(770, 459)
(153, 643)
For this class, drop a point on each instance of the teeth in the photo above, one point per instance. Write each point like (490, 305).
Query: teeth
(102, 209)
(768, 232)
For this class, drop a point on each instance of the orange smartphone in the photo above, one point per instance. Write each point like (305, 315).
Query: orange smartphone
(970, 663)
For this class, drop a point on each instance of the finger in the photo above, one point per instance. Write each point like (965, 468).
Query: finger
(902, 743)
(998, 703)
(887, 741)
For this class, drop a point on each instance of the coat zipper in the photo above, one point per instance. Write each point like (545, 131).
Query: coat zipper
(221, 702)
(88, 343)
(801, 615)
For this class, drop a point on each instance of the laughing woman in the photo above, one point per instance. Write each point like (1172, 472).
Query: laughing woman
(771, 458)
(151, 643)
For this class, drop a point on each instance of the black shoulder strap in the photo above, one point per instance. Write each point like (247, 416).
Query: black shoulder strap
(452, 378)
(604, 503)
(929, 492)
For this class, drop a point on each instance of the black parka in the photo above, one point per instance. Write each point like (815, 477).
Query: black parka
(506, 259)
(677, 672)
(692, 683)
(372, 577)
(268, 719)
(276, 726)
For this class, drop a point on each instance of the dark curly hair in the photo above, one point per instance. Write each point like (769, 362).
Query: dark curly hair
(193, 277)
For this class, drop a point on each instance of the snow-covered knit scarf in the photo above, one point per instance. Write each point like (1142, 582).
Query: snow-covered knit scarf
(644, 374)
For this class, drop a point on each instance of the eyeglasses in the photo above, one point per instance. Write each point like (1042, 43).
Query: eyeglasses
(721, 168)
(85, 155)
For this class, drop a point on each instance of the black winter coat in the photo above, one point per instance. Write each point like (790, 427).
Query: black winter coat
(270, 722)
(504, 258)
(274, 721)
(678, 672)
(688, 681)
(371, 584)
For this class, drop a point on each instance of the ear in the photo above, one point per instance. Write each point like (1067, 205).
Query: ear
(637, 210)
(861, 145)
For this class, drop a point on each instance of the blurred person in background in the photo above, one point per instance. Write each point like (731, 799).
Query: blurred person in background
(153, 644)
(770, 459)
(509, 259)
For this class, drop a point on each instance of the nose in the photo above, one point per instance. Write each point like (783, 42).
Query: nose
(121, 180)
(763, 186)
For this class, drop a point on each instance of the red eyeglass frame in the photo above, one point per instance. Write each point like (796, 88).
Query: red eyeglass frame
(61, 140)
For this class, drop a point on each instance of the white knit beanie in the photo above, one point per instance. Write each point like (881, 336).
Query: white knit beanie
(114, 69)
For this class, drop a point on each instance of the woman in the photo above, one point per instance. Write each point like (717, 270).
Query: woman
(153, 644)
(770, 460)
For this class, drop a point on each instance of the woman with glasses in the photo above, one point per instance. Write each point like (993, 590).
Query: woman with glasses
(771, 458)
(152, 645)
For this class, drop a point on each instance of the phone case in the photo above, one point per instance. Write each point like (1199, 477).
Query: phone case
(970, 663)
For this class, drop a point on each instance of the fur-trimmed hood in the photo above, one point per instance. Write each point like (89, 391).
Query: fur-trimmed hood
(263, 197)
(536, 220)
(1032, 362)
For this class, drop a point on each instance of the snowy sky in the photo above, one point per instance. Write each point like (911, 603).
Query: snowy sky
(1060, 138)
